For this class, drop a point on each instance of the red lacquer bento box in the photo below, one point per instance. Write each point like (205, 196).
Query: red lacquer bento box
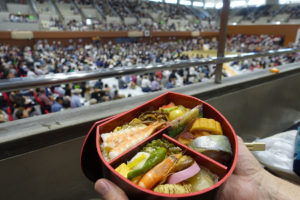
(95, 166)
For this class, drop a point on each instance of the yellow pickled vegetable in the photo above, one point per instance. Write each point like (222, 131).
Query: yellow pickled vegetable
(174, 114)
(204, 124)
(136, 161)
(123, 169)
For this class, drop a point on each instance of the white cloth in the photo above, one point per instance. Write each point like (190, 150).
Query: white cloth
(279, 154)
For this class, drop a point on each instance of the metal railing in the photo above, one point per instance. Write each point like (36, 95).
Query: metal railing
(63, 78)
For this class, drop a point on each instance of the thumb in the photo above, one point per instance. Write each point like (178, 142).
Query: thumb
(246, 164)
(109, 191)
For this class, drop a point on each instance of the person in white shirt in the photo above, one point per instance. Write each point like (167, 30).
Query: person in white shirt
(146, 84)
(30, 73)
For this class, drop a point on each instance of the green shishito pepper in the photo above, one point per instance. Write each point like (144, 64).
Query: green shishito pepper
(155, 157)
(174, 131)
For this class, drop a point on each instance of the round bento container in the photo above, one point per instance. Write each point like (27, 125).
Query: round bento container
(94, 166)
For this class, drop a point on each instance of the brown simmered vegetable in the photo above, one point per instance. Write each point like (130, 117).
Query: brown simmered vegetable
(135, 121)
(153, 116)
(174, 188)
(183, 163)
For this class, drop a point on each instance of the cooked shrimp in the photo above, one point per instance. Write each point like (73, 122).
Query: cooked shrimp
(159, 172)
(117, 142)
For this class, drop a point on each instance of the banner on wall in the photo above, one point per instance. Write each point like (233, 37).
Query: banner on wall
(135, 34)
(22, 35)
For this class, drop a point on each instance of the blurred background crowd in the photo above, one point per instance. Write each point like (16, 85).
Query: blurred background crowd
(51, 57)
(45, 58)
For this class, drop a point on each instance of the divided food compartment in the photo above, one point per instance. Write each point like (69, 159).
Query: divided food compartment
(95, 166)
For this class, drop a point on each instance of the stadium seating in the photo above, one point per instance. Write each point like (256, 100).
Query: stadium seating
(281, 18)
(46, 11)
(4, 16)
(18, 17)
(262, 20)
(127, 15)
(68, 11)
(19, 8)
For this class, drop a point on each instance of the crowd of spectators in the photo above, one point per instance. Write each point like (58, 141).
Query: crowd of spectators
(122, 9)
(155, 7)
(53, 58)
(253, 43)
(106, 8)
(295, 12)
(56, 23)
(139, 9)
(292, 10)
(253, 14)
(120, 6)
(74, 25)
(176, 12)
(153, 26)
(21, 18)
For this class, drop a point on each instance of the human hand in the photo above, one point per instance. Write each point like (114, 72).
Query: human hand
(250, 181)
(109, 191)
(244, 183)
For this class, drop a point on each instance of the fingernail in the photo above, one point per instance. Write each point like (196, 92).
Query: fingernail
(102, 187)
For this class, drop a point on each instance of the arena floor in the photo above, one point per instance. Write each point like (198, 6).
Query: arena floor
(206, 53)
(213, 53)
(231, 71)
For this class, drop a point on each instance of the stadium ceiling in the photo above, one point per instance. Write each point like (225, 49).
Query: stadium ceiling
(219, 3)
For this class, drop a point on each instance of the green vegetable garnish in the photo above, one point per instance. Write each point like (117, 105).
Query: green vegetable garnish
(155, 157)
(150, 147)
(173, 132)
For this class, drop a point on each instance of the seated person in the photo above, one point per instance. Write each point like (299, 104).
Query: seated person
(75, 99)
(3, 116)
(46, 101)
(66, 103)
(146, 84)
(22, 113)
(96, 94)
(57, 105)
